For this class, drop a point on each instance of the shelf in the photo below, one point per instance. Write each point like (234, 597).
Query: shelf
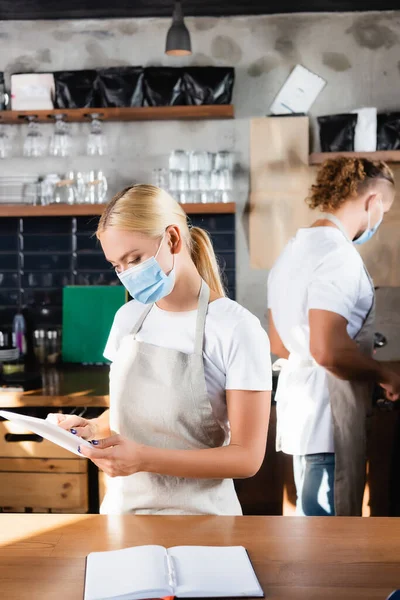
(91, 210)
(389, 156)
(141, 113)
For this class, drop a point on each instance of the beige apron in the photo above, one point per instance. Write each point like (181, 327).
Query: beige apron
(158, 397)
(351, 404)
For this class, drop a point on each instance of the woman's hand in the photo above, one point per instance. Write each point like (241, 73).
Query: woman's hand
(85, 428)
(116, 456)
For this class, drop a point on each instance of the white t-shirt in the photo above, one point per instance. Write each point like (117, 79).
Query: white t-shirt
(320, 269)
(236, 348)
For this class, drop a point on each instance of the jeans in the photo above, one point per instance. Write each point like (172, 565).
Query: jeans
(314, 475)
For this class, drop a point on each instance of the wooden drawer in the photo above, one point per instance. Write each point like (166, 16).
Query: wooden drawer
(60, 491)
(39, 475)
(17, 443)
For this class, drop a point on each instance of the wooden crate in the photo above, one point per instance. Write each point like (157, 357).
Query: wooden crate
(37, 475)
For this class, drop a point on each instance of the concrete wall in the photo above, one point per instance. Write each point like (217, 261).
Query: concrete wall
(358, 54)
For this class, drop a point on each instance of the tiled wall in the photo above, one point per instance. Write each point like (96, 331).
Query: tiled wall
(38, 256)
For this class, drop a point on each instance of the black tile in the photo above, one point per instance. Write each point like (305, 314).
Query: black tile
(9, 262)
(47, 225)
(47, 315)
(91, 262)
(32, 297)
(229, 277)
(223, 241)
(46, 279)
(54, 248)
(86, 224)
(8, 243)
(231, 293)
(226, 260)
(9, 226)
(86, 241)
(47, 262)
(214, 222)
(9, 298)
(6, 316)
(9, 280)
(47, 243)
(103, 278)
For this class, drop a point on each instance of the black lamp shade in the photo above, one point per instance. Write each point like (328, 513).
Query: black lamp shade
(178, 37)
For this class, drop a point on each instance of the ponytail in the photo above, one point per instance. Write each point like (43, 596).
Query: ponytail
(203, 255)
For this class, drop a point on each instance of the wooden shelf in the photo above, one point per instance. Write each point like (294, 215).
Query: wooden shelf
(389, 156)
(89, 210)
(141, 113)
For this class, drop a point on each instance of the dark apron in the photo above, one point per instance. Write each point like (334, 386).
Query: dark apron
(351, 404)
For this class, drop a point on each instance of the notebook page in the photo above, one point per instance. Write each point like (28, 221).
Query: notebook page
(125, 572)
(203, 571)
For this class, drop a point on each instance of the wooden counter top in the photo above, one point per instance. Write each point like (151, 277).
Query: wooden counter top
(70, 385)
(43, 556)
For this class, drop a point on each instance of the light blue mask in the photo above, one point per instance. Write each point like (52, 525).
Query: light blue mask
(147, 283)
(369, 232)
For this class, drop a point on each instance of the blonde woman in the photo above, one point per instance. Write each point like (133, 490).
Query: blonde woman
(190, 378)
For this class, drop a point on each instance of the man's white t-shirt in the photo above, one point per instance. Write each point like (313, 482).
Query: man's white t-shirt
(236, 348)
(318, 269)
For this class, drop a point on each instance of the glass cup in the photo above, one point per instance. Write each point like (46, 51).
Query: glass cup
(30, 193)
(34, 143)
(200, 161)
(5, 143)
(183, 187)
(223, 160)
(160, 178)
(179, 160)
(96, 144)
(95, 187)
(173, 181)
(64, 190)
(221, 184)
(60, 142)
(47, 188)
(221, 180)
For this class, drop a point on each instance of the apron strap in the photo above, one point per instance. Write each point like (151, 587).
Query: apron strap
(202, 309)
(141, 320)
(337, 222)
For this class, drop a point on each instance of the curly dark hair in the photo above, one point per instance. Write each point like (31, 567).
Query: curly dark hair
(342, 178)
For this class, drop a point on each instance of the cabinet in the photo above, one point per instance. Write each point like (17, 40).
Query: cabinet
(38, 476)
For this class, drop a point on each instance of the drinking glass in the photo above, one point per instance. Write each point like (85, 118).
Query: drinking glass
(173, 181)
(221, 183)
(179, 160)
(64, 190)
(223, 160)
(97, 144)
(160, 178)
(96, 187)
(34, 144)
(47, 188)
(60, 143)
(201, 161)
(5, 143)
(183, 187)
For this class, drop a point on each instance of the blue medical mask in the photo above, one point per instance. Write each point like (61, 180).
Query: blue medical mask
(369, 232)
(146, 282)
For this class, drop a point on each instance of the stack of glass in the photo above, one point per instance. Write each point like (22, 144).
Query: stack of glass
(197, 177)
(73, 188)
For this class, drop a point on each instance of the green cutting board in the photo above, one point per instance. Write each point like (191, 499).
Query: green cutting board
(88, 313)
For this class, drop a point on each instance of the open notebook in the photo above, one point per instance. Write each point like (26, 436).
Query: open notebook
(183, 571)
